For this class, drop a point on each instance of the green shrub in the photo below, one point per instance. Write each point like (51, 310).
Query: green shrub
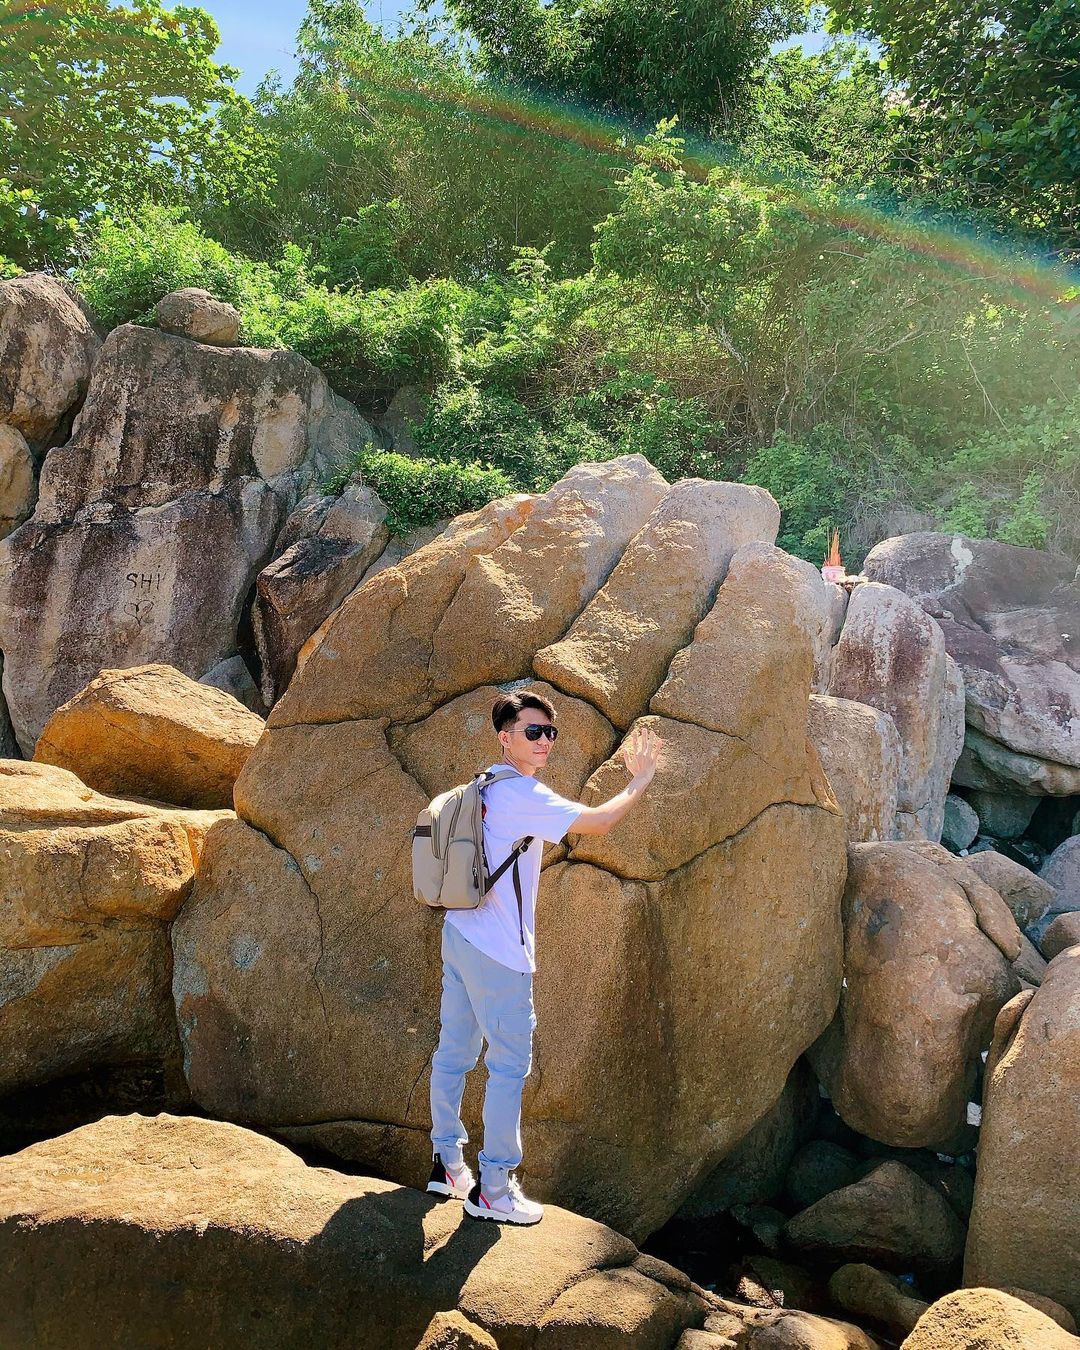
(465, 422)
(420, 491)
(132, 263)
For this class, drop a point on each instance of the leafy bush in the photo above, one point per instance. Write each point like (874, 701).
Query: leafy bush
(420, 491)
(131, 263)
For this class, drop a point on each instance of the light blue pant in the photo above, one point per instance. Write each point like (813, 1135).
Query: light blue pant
(481, 1000)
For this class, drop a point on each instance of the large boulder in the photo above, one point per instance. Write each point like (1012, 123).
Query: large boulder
(892, 656)
(890, 1218)
(231, 1237)
(152, 732)
(88, 887)
(338, 538)
(862, 756)
(927, 965)
(154, 520)
(1027, 1185)
(970, 1319)
(1011, 619)
(312, 882)
(47, 349)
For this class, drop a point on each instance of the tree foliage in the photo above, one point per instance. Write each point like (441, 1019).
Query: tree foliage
(104, 106)
(391, 160)
(998, 83)
(638, 59)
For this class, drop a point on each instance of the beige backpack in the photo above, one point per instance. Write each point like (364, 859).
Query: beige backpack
(448, 864)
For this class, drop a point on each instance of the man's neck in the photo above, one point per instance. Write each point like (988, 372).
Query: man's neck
(529, 770)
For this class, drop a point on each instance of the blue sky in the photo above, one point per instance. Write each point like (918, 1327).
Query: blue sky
(257, 35)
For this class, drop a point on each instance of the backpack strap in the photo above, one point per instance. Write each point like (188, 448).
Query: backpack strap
(512, 861)
(493, 776)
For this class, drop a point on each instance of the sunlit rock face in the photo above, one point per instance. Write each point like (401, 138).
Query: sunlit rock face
(685, 960)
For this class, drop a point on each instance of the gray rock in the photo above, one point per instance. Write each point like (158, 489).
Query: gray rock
(1027, 895)
(1011, 618)
(401, 545)
(9, 747)
(196, 314)
(233, 677)
(406, 410)
(302, 588)
(1004, 815)
(818, 1168)
(892, 656)
(1061, 870)
(18, 482)
(961, 824)
(153, 522)
(47, 349)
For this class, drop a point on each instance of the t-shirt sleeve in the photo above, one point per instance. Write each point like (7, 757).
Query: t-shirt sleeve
(548, 815)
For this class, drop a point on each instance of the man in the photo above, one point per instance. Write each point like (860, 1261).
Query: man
(488, 958)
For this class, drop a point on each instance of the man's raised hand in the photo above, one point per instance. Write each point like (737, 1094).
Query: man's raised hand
(641, 753)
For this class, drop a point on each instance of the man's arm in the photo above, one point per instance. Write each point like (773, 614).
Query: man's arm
(640, 755)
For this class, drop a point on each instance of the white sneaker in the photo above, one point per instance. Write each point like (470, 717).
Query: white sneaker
(444, 1181)
(507, 1205)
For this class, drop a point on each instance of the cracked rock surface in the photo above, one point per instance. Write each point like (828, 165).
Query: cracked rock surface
(685, 962)
(154, 519)
(88, 885)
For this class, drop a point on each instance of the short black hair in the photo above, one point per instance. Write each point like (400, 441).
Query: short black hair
(507, 707)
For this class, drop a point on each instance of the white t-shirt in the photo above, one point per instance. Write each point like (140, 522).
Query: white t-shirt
(515, 807)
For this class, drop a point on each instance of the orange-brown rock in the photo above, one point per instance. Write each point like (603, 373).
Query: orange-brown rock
(861, 755)
(890, 1217)
(88, 884)
(617, 651)
(152, 732)
(373, 654)
(230, 1236)
(925, 975)
(525, 593)
(1027, 1188)
(302, 936)
(970, 1318)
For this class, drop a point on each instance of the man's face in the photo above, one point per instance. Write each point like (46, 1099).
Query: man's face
(519, 741)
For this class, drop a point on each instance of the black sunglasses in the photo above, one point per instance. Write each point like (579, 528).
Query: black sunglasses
(535, 730)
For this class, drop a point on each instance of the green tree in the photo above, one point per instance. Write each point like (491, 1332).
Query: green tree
(637, 59)
(825, 117)
(103, 107)
(998, 81)
(391, 159)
